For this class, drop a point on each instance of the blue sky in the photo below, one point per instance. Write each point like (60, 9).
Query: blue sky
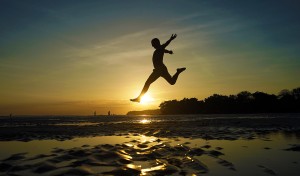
(74, 57)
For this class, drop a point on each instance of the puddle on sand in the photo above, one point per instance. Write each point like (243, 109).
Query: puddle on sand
(147, 155)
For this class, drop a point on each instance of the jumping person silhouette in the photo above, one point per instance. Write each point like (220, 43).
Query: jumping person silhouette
(160, 70)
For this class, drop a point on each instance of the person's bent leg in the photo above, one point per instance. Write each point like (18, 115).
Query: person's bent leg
(153, 77)
(172, 79)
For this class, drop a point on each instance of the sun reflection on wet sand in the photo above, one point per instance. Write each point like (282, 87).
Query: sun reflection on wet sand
(145, 121)
(132, 166)
(148, 139)
(155, 168)
(148, 155)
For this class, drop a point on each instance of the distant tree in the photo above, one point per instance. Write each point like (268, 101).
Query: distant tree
(296, 95)
(184, 106)
(243, 102)
(217, 104)
(286, 100)
(264, 102)
(190, 106)
(285, 93)
(170, 107)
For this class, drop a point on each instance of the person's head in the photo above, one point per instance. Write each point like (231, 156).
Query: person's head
(155, 43)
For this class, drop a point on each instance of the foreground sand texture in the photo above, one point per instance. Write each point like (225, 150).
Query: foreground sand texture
(151, 145)
(124, 159)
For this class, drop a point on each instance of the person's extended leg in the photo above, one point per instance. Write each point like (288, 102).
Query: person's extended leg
(172, 79)
(153, 77)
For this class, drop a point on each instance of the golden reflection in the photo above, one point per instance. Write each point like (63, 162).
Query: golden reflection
(132, 166)
(145, 121)
(144, 138)
(124, 155)
(189, 158)
(159, 167)
(129, 144)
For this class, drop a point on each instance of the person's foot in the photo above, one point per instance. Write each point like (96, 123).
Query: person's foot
(135, 99)
(179, 70)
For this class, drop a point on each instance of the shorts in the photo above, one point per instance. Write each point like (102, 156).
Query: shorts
(161, 71)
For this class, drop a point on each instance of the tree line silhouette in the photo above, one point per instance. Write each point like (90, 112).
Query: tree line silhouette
(287, 101)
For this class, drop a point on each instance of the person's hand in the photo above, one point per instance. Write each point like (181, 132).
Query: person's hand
(173, 36)
(170, 52)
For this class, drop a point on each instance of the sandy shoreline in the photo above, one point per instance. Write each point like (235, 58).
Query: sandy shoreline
(230, 128)
(150, 145)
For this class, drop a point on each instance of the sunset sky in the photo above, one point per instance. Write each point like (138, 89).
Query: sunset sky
(73, 57)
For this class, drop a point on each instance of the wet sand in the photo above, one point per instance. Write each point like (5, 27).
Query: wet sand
(228, 127)
(149, 145)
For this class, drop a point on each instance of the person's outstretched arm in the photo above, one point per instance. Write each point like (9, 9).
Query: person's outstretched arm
(173, 36)
(168, 51)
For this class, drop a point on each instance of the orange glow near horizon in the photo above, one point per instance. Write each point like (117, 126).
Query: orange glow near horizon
(65, 64)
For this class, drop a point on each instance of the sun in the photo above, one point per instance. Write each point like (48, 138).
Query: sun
(146, 99)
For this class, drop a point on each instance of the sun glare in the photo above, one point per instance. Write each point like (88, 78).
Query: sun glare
(146, 99)
(145, 121)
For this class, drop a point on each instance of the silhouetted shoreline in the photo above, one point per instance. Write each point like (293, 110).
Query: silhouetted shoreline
(145, 112)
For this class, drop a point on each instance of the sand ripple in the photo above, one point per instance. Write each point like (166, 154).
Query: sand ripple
(153, 157)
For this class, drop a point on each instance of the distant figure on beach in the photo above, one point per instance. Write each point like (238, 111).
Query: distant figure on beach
(160, 70)
(108, 113)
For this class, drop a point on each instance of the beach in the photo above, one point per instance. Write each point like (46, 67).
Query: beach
(260, 144)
